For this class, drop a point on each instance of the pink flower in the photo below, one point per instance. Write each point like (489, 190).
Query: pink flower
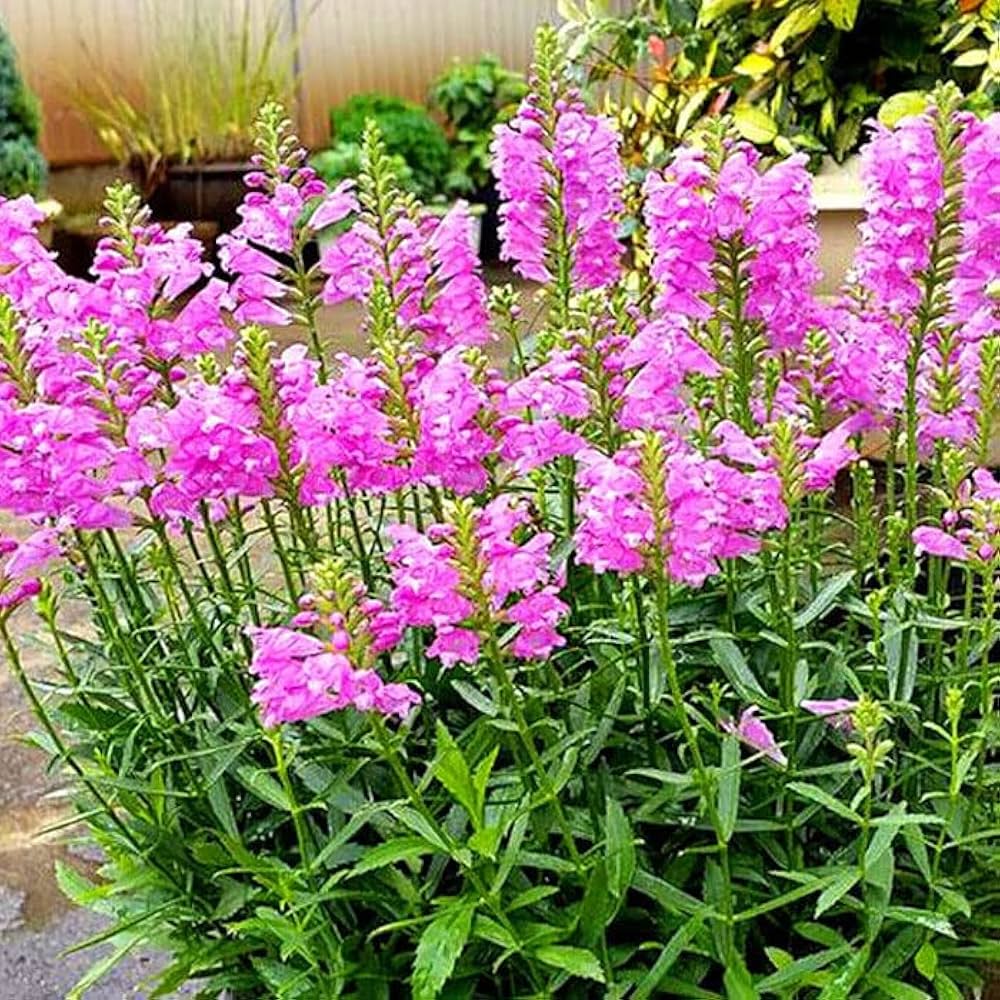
(35, 552)
(426, 580)
(837, 712)
(756, 735)
(453, 645)
(782, 232)
(537, 614)
(452, 444)
(335, 207)
(457, 311)
(902, 173)
(681, 235)
(584, 155)
(301, 676)
(532, 444)
(936, 542)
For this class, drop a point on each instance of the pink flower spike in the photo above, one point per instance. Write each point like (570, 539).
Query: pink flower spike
(755, 734)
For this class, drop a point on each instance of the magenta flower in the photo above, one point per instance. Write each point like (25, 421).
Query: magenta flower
(681, 234)
(936, 542)
(756, 735)
(583, 154)
(836, 712)
(714, 512)
(902, 172)
(24, 558)
(453, 444)
(301, 677)
(537, 614)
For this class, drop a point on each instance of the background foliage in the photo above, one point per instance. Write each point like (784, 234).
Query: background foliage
(22, 168)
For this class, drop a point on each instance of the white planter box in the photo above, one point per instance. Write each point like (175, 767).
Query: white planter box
(838, 195)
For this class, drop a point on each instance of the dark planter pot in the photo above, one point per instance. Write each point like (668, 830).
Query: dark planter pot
(489, 241)
(204, 192)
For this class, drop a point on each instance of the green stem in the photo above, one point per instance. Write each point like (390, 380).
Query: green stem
(691, 738)
(513, 702)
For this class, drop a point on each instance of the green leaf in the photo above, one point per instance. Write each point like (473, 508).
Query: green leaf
(823, 798)
(824, 599)
(902, 105)
(754, 65)
(401, 849)
(776, 902)
(441, 944)
(842, 986)
(672, 899)
(575, 961)
(737, 980)
(452, 770)
(264, 787)
(914, 840)
(836, 891)
(418, 824)
(926, 961)
(734, 665)
(897, 989)
(922, 918)
(800, 21)
(946, 988)
(620, 850)
(842, 13)
(791, 976)
(754, 125)
(972, 57)
(885, 833)
(104, 965)
(712, 10)
(729, 787)
(481, 776)
(672, 950)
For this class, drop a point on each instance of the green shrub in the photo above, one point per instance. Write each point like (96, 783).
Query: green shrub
(343, 160)
(473, 97)
(797, 75)
(22, 168)
(407, 130)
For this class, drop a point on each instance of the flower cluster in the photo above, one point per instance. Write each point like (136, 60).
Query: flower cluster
(708, 512)
(325, 662)
(970, 527)
(561, 179)
(465, 583)
(702, 222)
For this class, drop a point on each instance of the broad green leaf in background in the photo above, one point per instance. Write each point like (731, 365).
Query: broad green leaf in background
(842, 13)
(754, 125)
(902, 105)
(440, 947)
(712, 10)
(799, 21)
(926, 961)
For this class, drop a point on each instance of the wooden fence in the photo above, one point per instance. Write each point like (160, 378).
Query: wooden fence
(347, 47)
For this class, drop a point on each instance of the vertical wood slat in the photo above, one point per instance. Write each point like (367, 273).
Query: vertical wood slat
(347, 47)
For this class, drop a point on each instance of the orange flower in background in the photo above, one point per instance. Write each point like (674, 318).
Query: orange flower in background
(968, 6)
